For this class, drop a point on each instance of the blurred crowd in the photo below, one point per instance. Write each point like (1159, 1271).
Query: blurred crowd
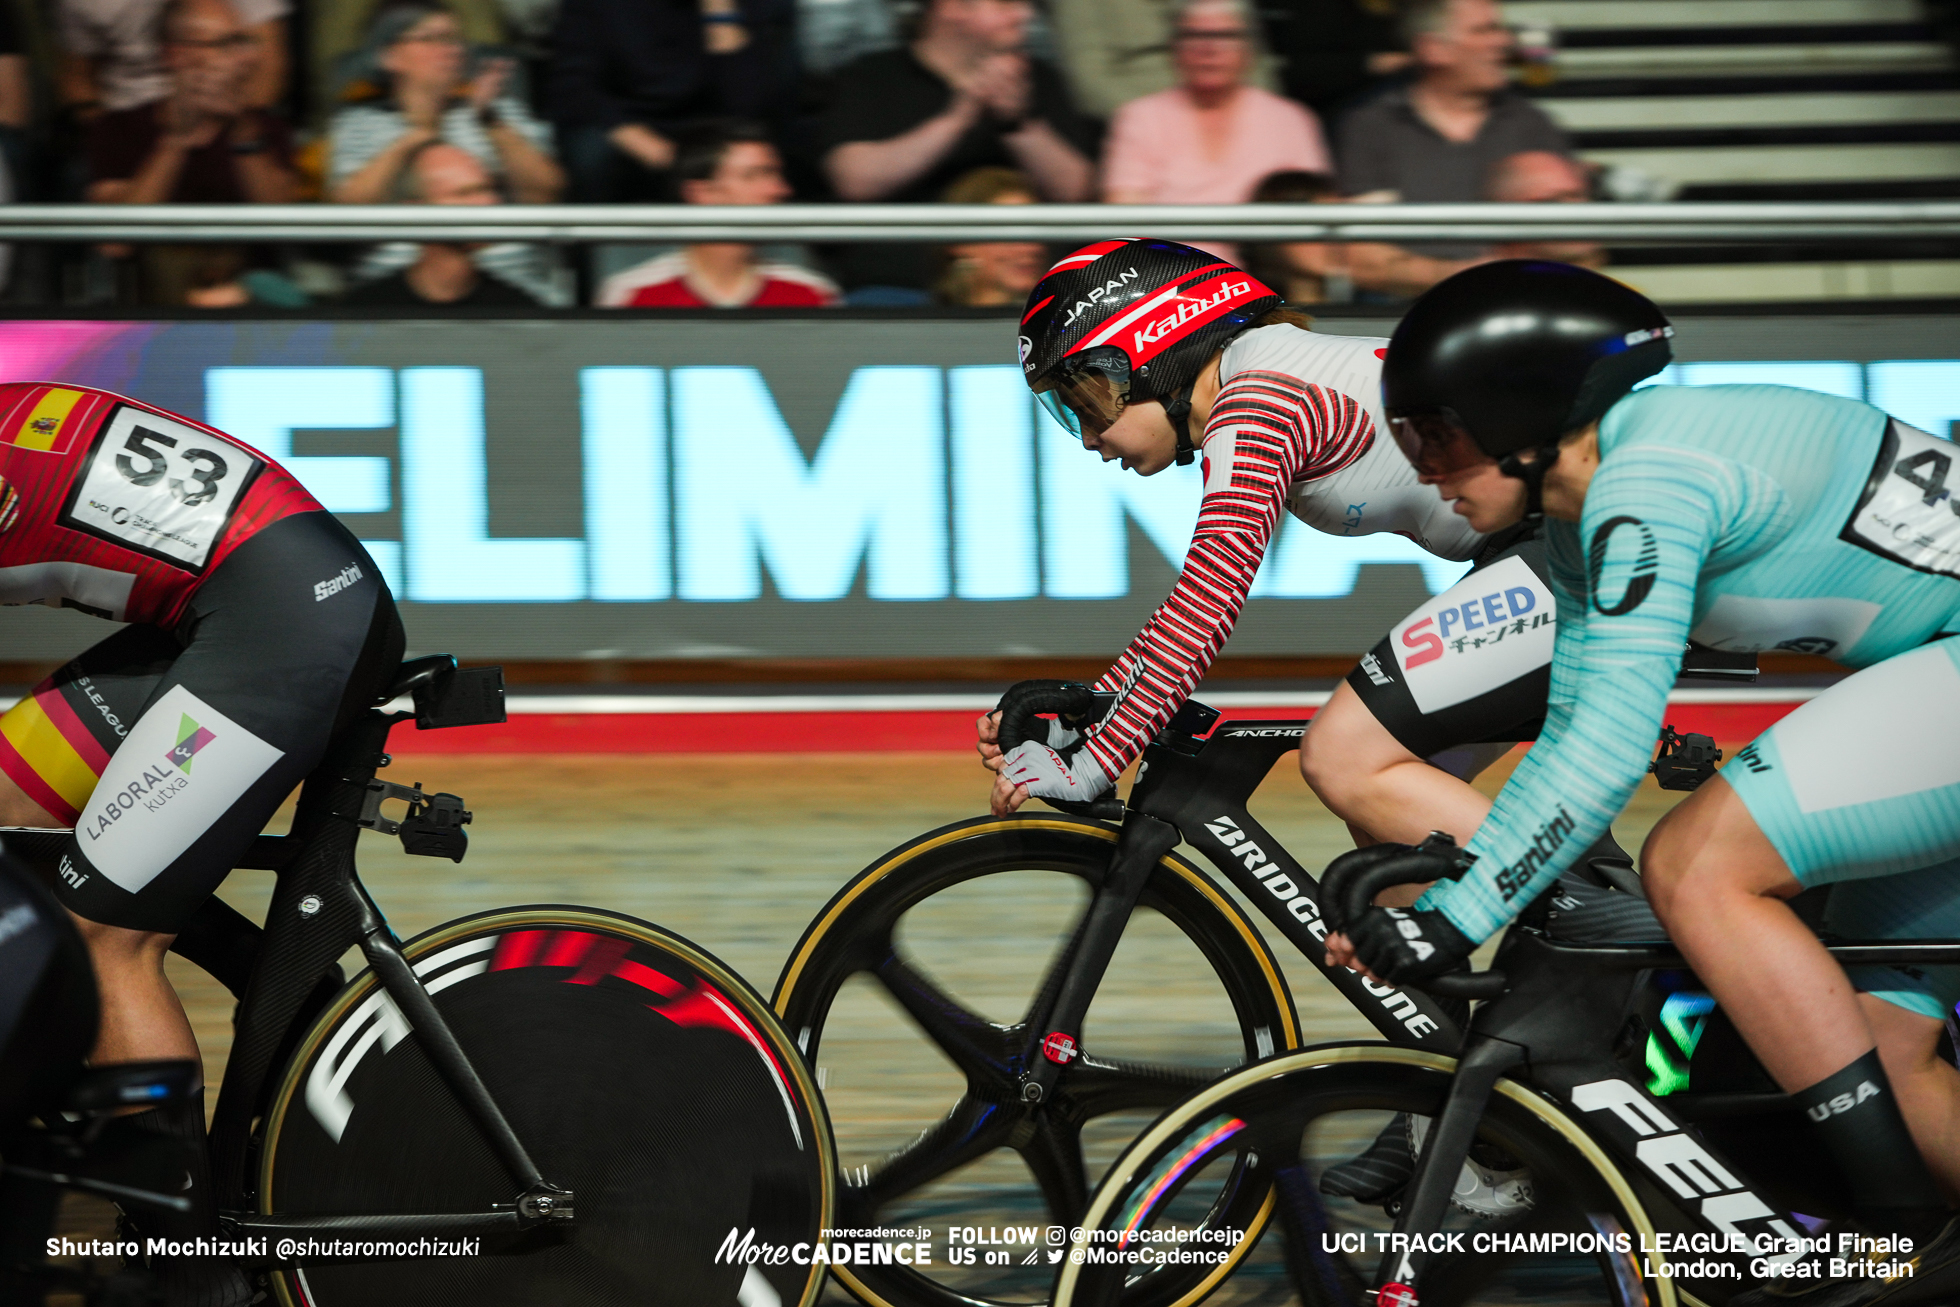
(753, 102)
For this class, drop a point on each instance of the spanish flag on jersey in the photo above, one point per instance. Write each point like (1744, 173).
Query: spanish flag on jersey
(50, 424)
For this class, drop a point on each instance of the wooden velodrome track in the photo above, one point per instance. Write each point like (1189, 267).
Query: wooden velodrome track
(738, 852)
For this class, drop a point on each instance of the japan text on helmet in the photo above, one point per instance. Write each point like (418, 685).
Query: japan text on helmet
(1120, 320)
(1510, 356)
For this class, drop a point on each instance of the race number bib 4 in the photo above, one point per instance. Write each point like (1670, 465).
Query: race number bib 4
(1909, 512)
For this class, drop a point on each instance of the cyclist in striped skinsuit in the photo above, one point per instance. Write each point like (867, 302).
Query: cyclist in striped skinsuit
(1139, 346)
(1747, 517)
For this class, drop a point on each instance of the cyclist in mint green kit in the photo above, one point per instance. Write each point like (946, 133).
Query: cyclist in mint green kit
(1745, 518)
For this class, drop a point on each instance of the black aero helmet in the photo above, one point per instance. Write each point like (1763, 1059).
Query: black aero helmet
(1129, 320)
(1510, 356)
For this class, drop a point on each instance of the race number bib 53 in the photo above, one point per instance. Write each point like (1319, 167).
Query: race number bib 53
(1909, 512)
(160, 487)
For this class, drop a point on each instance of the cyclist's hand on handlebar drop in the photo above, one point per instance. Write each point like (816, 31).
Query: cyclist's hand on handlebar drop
(987, 729)
(1007, 796)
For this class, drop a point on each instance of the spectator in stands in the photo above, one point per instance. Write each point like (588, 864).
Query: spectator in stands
(1436, 140)
(721, 163)
(443, 272)
(1305, 272)
(984, 274)
(112, 55)
(1116, 51)
(905, 124)
(1210, 138)
(629, 73)
(16, 105)
(338, 31)
(417, 87)
(1336, 52)
(417, 53)
(1541, 177)
(200, 144)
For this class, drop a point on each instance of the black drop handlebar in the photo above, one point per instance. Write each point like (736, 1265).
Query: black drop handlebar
(1021, 710)
(1411, 869)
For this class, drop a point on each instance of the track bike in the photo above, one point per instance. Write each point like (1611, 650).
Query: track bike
(1035, 1101)
(541, 1104)
(1628, 1183)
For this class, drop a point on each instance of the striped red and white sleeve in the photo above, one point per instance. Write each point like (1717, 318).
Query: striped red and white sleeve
(1267, 430)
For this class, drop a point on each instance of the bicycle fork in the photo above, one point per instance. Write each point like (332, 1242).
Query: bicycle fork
(1483, 1062)
(1143, 842)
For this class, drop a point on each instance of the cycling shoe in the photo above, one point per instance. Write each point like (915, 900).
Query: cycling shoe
(1381, 1172)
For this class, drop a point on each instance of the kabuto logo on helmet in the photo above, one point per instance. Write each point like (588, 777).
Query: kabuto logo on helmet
(1119, 323)
(1027, 347)
(1165, 329)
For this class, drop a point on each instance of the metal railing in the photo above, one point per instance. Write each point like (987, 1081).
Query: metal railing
(575, 224)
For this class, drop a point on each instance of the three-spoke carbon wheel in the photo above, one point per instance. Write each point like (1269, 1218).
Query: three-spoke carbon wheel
(920, 993)
(1532, 1172)
(641, 1074)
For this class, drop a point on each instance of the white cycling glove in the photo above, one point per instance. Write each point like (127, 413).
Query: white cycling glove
(1062, 737)
(1048, 775)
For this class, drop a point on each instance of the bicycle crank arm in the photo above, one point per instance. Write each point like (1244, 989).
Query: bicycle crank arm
(528, 1212)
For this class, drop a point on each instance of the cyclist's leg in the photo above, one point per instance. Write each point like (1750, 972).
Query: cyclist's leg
(54, 745)
(1380, 787)
(235, 722)
(1393, 751)
(269, 666)
(1907, 1007)
(1831, 794)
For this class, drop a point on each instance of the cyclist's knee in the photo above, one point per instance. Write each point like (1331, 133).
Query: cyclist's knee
(1908, 1041)
(1345, 748)
(1706, 849)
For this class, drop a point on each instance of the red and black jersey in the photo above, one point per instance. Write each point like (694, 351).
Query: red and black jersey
(121, 509)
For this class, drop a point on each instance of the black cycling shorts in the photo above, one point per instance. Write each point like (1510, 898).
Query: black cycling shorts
(1474, 664)
(199, 733)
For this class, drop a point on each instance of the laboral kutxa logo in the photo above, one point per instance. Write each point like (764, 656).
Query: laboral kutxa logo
(190, 738)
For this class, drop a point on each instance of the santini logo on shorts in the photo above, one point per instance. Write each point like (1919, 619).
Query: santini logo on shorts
(333, 585)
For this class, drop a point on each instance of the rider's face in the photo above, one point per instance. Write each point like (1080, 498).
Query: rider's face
(1486, 497)
(1141, 438)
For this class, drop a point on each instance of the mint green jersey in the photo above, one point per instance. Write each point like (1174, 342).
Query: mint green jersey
(1743, 517)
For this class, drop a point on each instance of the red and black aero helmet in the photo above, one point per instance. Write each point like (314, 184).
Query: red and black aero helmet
(1508, 357)
(1124, 320)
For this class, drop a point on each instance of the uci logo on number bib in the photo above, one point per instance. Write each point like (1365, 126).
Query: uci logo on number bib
(1909, 512)
(160, 487)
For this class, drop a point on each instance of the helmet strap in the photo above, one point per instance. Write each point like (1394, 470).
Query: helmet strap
(1178, 409)
(1532, 474)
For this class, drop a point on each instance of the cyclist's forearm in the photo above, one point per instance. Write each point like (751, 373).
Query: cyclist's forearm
(1176, 646)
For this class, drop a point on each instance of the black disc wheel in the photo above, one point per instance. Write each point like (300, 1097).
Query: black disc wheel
(639, 1072)
(921, 992)
(1341, 1128)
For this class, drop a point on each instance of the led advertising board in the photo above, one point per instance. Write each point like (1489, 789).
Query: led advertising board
(787, 487)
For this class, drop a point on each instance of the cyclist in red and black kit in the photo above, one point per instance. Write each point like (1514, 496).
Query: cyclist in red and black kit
(257, 624)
